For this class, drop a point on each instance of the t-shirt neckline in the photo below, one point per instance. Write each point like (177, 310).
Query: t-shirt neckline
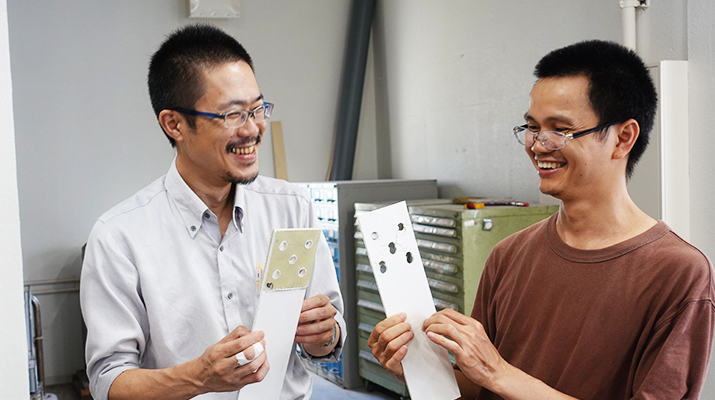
(569, 253)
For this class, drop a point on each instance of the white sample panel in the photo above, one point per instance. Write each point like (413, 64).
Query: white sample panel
(291, 257)
(401, 280)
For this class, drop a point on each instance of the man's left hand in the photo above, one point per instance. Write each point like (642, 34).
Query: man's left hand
(480, 362)
(316, 324)
(465, 337)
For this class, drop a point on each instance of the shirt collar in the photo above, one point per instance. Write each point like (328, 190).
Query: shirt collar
(239, 207)
(192, 208)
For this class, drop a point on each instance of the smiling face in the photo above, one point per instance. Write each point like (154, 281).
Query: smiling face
(582, 168)
(212, 153)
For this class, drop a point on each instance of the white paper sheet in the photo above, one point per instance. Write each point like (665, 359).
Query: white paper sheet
(401, 280)
(288, 270)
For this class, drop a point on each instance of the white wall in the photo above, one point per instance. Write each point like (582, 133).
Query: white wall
(14, 382)
(454, 79)
(701, 59)
(87, 137)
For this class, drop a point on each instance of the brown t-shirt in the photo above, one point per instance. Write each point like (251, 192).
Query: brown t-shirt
(631, 321)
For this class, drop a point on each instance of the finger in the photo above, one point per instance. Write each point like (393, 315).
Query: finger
(236, 346)
(436, 318)
(447, 328)
(256, 376)
(253, 371)
(316, 327)
(316, 333)
(256, 364)
(394, 364)
(392, 333)
(314, 302)
(445, 342)
(446, 316)
(384, 325)
(235, 334)
(317, 313)
(395, 342)
(245, 356)
(385, 351)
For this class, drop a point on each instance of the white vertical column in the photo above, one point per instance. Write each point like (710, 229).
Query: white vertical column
(675, 156)
(14, 380)
(628, 22)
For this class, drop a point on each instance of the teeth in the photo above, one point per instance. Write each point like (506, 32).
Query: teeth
(243, 150)
(548, 165)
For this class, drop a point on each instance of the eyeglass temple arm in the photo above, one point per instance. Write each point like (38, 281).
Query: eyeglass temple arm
(586, 132)
(194, 112)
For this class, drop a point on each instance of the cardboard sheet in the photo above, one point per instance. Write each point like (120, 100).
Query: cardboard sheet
(291, 257)
(401, 280)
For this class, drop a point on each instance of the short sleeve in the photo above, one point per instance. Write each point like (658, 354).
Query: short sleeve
(675, 361)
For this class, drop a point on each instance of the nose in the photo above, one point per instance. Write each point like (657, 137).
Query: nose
(250, 128)
(538, 145)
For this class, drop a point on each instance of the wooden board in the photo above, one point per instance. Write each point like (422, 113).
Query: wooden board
(279, 154)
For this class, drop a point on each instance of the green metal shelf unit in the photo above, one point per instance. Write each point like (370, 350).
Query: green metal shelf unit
(454, 245)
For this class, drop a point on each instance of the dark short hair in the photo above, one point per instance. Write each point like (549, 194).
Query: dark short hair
(620, 85)
(176, 69)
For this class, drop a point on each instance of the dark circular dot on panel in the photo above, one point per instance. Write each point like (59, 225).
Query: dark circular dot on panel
(409, 257)
(393, 248)
(383, 267)
(401, 226)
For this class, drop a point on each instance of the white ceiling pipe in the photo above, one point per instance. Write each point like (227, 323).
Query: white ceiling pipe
(628, 22)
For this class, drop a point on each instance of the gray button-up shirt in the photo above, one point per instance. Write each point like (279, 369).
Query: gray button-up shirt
(160, 285)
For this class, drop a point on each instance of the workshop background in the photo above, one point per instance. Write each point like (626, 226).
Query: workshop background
(445, 83)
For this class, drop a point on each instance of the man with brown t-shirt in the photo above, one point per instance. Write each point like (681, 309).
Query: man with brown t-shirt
(600, 301)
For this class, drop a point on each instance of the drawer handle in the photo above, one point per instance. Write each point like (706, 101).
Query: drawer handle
(439, 266)
(442, 286)
(371, 305)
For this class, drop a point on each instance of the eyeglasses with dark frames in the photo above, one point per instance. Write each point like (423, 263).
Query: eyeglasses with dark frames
(236, 118)
(552, 140)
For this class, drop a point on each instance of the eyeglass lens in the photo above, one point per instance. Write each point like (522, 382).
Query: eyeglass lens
(238, 118)
(551, 140)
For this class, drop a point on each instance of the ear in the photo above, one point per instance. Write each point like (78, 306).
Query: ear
(173, 123)
(627, 134)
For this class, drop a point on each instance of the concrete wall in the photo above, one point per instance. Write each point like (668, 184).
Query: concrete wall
(13, 351)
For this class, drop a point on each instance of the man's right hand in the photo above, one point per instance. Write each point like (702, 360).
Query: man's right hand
(388, 342)
(218, 367)
(216, 370)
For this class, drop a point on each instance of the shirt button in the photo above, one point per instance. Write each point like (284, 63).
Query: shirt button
(230, 295)
(193, 228)
(221, 248)
(207, 215)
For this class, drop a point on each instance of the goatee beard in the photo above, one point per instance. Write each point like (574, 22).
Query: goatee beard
(228, 177)
(243, 181)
